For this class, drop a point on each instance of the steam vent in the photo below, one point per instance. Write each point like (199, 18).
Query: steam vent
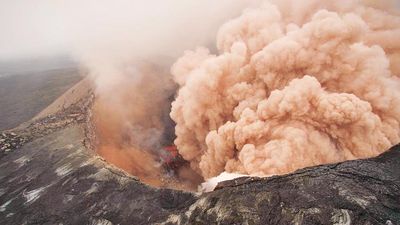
(230, 112)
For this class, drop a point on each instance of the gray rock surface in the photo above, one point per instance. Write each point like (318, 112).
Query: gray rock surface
(352, 192)
(26, 94)
(52, 177)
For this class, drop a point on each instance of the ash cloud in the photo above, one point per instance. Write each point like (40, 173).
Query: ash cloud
(128, 57)
(294, 84)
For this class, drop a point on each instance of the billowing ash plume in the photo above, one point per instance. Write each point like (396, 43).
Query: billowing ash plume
(295, 84)
(128, 50)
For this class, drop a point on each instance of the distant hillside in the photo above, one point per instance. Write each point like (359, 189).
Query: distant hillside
(25, 94)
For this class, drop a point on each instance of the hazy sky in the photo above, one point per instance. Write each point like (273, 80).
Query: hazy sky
(30, 28)
(47, 27)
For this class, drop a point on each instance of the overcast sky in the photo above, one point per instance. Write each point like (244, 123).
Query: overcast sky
(31, 28)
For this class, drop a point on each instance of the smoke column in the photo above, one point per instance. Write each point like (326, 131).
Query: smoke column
(294, 84)
(128, 47)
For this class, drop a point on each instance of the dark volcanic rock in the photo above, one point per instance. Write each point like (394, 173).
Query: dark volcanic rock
(26, 93)
(52, 177)
(55, 179)
(14, 139)
(353, 192)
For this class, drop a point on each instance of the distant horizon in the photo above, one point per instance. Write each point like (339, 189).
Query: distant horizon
(24, 65)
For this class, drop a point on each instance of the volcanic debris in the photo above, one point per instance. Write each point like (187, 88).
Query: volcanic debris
(15, 138)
